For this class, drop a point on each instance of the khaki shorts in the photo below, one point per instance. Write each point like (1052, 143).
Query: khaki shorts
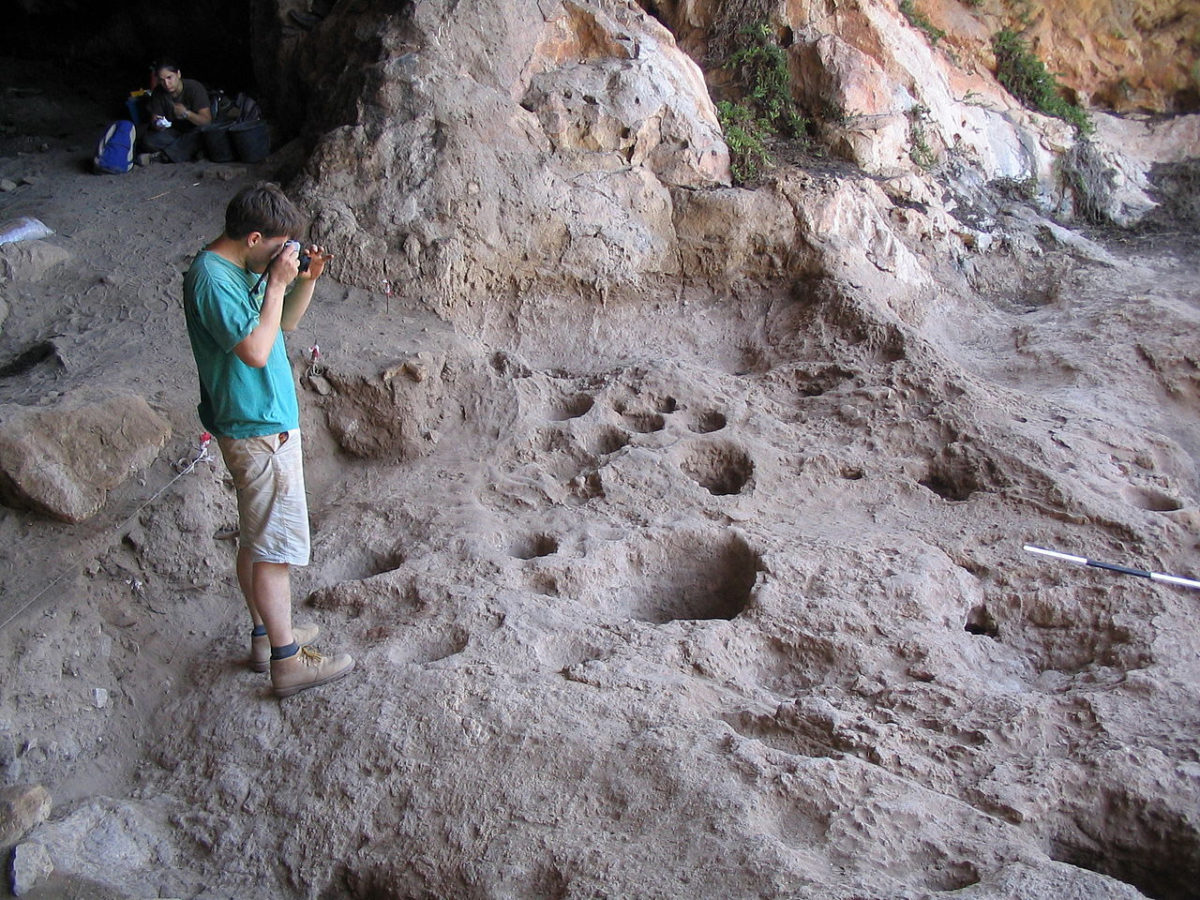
(268, 473)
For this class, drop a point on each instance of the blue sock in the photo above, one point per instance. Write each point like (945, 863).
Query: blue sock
(259, 631)
(284, 652)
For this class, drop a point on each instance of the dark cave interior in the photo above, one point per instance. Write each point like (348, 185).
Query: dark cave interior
(105, 50)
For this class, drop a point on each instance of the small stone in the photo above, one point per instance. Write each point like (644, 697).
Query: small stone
(21, 808)
(225, 173)
(99, 698)
(320, 384)
(31, 864)
(7, 185)
(416, 370)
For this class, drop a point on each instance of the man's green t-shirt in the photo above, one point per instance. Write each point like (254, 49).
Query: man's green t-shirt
(236, 400)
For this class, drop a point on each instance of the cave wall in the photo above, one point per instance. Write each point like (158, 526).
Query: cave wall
(1111, 54)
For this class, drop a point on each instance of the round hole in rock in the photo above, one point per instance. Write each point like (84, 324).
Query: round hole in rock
(709, 422)
(609, 440)
(954, 483)
(534, 546)
(645, 422)
(1152, 500)
(1148, 842)
(668, 405)
(852, 473)
(981, 621)
(690, 575)
(721, 469)
(572, 407)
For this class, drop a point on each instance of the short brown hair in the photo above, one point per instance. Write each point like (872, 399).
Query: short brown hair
(263, 207)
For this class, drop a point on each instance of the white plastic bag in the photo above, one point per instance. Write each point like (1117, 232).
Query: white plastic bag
(25, 228)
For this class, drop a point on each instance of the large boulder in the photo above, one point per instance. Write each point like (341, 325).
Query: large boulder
(62, 460)
(30, 261)
(104, 846)
(528, 142)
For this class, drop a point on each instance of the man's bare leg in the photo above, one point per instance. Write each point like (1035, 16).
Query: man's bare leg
(245, 577)
(269, 598)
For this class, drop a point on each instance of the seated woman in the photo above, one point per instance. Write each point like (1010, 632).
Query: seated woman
(179, 108)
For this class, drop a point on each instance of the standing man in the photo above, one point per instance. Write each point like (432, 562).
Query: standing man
(179, 107)
(239, 296)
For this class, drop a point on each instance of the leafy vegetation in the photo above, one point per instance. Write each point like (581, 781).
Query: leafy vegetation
(745, 136)
(1026, 78)
(920, 152)
(766, 108)
(918, 20)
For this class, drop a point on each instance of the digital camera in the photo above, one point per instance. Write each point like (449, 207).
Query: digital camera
(305, 259)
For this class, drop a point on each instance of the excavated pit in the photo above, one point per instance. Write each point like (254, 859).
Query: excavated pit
(693, 577)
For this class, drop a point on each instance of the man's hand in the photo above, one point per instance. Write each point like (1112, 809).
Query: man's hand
(317, 257)
(286, 264)
(181, 111)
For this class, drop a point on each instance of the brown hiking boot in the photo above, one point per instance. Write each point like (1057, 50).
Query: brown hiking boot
(307, 669)
(260, 647)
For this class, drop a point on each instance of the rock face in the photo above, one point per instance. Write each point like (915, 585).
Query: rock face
(527, 143)
(567, 146)
(1123, 57)
(63, 460)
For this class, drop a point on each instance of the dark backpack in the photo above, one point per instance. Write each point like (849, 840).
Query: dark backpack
(114, 153)
(242, 108)
(246, 108)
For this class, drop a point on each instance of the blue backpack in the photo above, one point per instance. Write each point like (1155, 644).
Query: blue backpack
(114, 155)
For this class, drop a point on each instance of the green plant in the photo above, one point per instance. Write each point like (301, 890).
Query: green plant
(1026, 78)
(763, 71)
(745, 136)
(920, 152)
(766, 108)
(918, 20)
